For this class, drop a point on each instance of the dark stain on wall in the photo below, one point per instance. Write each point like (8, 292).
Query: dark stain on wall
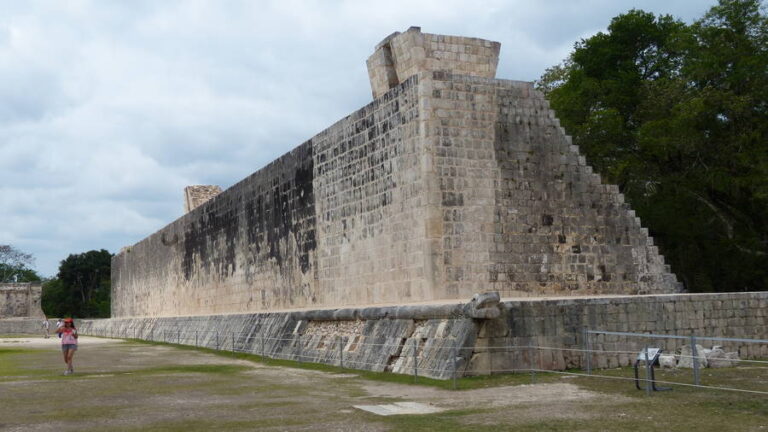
(262, 217)
(211, 239)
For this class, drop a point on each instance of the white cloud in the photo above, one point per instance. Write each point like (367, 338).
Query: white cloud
(111, 108)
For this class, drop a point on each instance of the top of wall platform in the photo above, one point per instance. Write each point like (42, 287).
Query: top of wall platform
(402, 55)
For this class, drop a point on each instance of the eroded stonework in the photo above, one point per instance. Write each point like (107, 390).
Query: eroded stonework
(21, 300)
(194, 196)
(402, 55)
(449, 183)
(443, 341)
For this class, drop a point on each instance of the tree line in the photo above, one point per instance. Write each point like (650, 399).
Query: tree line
(676, 114)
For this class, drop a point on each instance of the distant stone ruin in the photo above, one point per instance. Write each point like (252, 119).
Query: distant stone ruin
(449, 183)
(195, 196)
(21, 300)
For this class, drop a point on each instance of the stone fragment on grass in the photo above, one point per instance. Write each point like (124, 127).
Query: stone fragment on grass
(716, 358)
(686, 357)
(733, 357)
(667, 361)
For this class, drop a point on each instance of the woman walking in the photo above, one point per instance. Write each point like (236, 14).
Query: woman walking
(68, 334)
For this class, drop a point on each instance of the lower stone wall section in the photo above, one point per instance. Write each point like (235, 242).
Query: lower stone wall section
(19, 326)
(556, 327)
(480, 337)
(408, 339)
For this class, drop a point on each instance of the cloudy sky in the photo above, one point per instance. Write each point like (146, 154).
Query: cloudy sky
(110, 108)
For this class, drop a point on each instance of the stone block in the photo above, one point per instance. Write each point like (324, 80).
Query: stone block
(686, 356)
(667, 361)
(718, 358)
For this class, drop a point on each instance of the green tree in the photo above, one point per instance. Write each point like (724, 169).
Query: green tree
(15, 265)
(81, 288)
(677, 116)
(56, 301)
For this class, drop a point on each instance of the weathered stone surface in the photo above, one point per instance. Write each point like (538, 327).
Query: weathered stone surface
(687, 357)
(195, 196)
(19, 300)
(718, 358)
(337, 221)
(402, 55)
(484, 306)
(400, 408)
(667, 361)
(450, 183)
(21, 326)
(342, 337)
(546, 332)
(559, 324)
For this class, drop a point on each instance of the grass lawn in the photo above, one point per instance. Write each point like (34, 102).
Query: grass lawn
(136, 385)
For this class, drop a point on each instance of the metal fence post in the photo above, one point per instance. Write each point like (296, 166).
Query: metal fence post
(533, 370)
(510, 355)
(415, 359)
(455, 359)
(217, 340)
(298, 348)
(262, 346)
(195, 338)
(647, 372)
(694, 353)
(178, 337)
(233, 344)
(587, 352)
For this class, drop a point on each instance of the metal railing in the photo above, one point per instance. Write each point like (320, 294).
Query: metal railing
(692, 340)
(339, 351)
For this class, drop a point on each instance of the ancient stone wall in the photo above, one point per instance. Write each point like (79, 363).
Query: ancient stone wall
(335, 221)
(22, 326)
(560, 324)
(448, 184)
(20, 300)
(390, 339)
(250, 247)
(465, 338)
(370, 204)
(521, 212)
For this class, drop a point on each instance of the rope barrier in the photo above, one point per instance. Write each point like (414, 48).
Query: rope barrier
(347, 351)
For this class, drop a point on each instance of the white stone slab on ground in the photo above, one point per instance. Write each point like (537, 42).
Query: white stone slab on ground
(398, 408)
